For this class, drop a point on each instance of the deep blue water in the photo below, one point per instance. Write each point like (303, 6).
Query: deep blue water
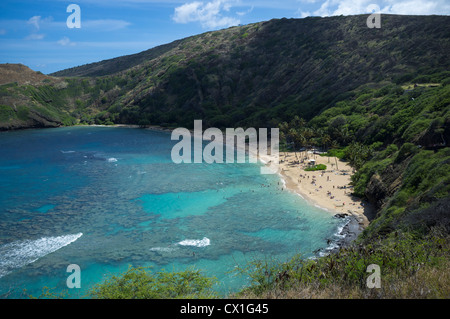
(105, 198)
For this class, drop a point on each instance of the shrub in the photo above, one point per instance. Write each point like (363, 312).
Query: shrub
(140, 283)
(391, 149)
(6, 113)
(23, 112)
(406, 150)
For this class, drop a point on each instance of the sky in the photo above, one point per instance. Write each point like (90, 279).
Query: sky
(41, 34)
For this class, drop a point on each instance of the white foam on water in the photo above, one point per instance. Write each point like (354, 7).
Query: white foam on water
(283, 182)
(334, 244)
(23, 252)
(162, 249)
(67, 152)
(195, 242)
(111, 160)
(323, 208)
(340, 229)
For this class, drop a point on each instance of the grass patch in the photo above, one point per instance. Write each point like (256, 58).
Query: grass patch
(335, 152)
(319, 167)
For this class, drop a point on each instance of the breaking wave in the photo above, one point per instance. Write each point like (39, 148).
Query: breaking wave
(195, 242)
(23, 252)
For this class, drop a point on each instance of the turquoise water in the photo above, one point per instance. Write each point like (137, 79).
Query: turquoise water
(105, 198)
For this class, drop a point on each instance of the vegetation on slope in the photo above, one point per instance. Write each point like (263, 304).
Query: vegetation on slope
(378, 98)
(256, 75)
(410, 267)
(142, 283)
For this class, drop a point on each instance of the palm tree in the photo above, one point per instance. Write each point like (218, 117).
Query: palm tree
(334, 145)
(308, 134)
(326, 140)
(283, 139)
(284, 133)
(343, 134)
(294, 136)
(298, 122)
(357, 154)
(301, 140)
(284, 127)
(302, 122)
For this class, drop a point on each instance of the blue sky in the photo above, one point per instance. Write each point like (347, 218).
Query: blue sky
(35, 32)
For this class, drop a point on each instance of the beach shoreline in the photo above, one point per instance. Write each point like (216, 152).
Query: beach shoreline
(328, 189)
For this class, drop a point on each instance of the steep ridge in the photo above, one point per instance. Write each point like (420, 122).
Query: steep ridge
(254, 75)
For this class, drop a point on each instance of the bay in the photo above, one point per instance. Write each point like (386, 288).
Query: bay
(105, 198)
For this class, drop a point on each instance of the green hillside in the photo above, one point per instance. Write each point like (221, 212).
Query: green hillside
(378, 98)
(255, 75)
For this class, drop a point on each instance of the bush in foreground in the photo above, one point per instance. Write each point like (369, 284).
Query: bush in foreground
(141, 283)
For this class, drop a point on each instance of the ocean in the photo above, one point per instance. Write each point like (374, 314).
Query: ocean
(106, 198)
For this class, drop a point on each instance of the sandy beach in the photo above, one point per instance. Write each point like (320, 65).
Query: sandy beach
(329, 189)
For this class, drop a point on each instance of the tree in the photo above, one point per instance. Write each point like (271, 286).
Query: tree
(283, 142)
(295, 137)
(298, 122)
(326, 141)
(357, 154)
(284, 132)
(343, 134)
(334, 145)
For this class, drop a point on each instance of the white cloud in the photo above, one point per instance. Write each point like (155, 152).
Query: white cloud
(35, 22)
(412, 7)
(349, 7)
(65, 41)
(208, 14)
(105, 24)
(188, 12)
(303, 14)
(323, 10)
(38, 23)
(35, 36)
(344, 7)
(243, 13)
(417, 7)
